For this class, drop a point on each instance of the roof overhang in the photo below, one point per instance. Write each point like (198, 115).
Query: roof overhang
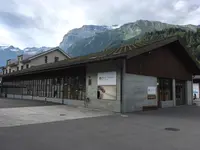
(62, 65)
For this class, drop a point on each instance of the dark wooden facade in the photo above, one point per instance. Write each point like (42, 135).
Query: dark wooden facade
(161, 62)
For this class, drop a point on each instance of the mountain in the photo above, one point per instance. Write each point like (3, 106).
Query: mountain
(11, 52)
(191, 38)
(35, 50)
(95, 38)
(84, 32)
(111, 36)
(8, 52)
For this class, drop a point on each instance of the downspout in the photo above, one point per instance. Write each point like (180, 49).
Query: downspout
(121, 86)
(122, 70)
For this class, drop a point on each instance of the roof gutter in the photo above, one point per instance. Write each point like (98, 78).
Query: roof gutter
(64, 66)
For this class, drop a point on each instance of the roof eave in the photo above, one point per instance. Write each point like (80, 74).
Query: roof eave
(151, 47)
(68, 65)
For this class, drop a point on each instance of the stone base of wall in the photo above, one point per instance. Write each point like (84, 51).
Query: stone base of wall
(38, 98)
(18, 96)
(55, 100)
(10, 96)
(27, 97)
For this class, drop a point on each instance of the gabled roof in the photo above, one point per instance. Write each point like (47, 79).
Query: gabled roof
(28, 58)
(126, 51)
(13, 62)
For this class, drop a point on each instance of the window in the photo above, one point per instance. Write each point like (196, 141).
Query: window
(46, 59)
(74, 87)
(22, 67)
(9, 70)
(56, 59)
(13, 71)
(8, 62)
(6, 71)
(54, 81)
(17, 68)
(58, 80)
(165, 89)
(27, 65)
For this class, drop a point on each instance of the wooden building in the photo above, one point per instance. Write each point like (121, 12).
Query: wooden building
(129, 78)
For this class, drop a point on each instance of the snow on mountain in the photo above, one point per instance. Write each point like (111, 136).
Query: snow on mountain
(35, 50)
(115, 26)
(3, 48)
(11, 52)
(9, 48)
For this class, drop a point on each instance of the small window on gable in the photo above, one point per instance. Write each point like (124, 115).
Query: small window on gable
(56, 59)
(45, 59)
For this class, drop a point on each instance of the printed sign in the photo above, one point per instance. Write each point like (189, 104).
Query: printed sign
(151, 90)
(107, 78)
(106, 85)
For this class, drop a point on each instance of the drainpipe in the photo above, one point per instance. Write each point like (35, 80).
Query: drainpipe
(121, 86)
(121, 67)
(122, 70)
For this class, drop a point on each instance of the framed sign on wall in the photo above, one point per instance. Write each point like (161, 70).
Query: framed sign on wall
(106, 85)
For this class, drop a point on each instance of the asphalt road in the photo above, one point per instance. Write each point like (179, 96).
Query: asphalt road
(139, 131)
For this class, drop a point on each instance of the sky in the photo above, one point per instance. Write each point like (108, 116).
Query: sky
(28, 23)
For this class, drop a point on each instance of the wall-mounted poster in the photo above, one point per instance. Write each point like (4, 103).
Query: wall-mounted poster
(151, 92)
(106, 83)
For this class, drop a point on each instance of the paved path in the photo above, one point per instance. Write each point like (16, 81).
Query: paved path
(43, 114)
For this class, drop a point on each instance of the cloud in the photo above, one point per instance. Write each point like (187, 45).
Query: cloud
(17, 20)
(44, 22)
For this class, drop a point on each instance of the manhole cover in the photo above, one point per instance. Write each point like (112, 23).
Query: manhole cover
(172, 129)
(62, 114)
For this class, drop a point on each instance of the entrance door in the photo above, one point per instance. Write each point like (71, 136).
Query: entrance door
(164, 90)
(180, 93)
